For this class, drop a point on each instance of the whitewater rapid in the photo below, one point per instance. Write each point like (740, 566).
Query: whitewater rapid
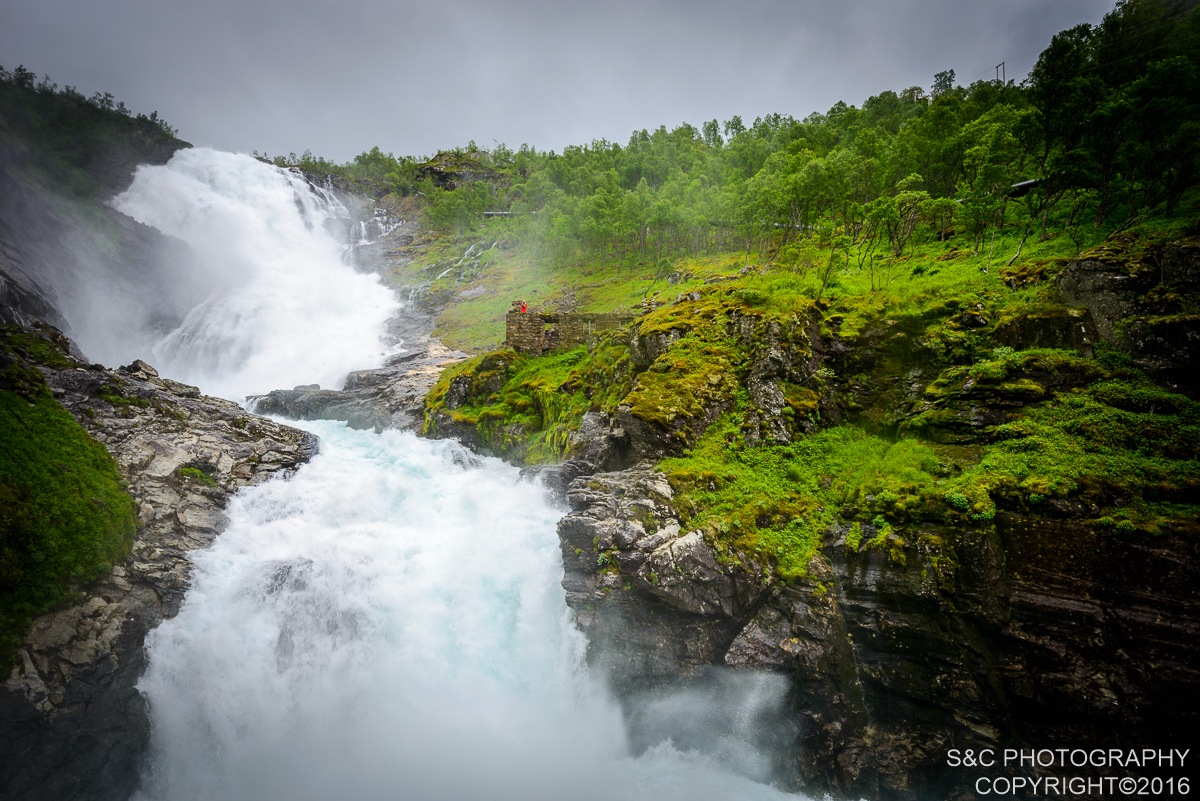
(271, 301)
(387, 624)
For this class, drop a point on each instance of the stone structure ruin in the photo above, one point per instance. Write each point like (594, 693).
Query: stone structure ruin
(536, 333)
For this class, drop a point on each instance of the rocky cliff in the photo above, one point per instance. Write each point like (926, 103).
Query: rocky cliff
(392, 396)
(72, 724)
(964, 524)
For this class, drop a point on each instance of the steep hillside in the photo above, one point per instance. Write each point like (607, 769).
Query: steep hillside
(63, 249)
(960, 514)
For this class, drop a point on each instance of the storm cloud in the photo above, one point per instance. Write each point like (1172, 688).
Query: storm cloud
(413, 78)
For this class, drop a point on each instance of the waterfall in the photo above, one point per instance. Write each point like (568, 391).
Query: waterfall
(387, 624)
(274, 304)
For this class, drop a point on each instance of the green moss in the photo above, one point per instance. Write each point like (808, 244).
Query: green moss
(691, 376)
(112, 394)
(854, 537)
(1119, 443)
(64, 518)
(1136, 251)
(802, 401)
(196, 475)
(35, 349)
(771, 503)
(955, 401)
(527, 407)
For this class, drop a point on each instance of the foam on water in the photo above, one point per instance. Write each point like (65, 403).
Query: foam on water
(389, 624)
(273, 304)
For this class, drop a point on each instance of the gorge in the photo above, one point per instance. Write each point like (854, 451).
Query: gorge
(782, 496)
(391, 607)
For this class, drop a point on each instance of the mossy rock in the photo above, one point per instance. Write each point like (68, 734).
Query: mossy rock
(65, 518)
(1059, 327)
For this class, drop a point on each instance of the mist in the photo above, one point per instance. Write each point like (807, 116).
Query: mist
(389, 624)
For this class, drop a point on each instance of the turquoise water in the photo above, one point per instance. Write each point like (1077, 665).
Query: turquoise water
(388, 623)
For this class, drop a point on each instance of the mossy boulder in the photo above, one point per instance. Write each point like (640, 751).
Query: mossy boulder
(1058, 327)
(1144, 296)
(451, 169)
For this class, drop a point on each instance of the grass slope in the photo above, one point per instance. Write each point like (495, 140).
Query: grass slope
(1089, 437)
(64, 517)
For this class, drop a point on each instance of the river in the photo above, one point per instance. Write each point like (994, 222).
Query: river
(388, 622)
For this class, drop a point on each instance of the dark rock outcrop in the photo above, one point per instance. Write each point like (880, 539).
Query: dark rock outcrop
(1135, 296)
(72, 724)
(392, 396)
(656, 602)
(1066, 329)
(1031, 633)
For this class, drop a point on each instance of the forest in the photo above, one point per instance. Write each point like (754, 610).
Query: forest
(1102, 134)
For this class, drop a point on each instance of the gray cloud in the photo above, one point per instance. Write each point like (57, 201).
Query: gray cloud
(413, 77)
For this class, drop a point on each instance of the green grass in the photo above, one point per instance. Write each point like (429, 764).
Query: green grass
(196, 475)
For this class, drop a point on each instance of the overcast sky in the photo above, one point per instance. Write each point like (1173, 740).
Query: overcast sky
(416, 77)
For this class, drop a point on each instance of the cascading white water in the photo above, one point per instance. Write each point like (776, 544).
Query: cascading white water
(388, 624)
(275, 304)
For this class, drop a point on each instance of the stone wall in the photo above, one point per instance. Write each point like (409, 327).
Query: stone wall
(538, 332)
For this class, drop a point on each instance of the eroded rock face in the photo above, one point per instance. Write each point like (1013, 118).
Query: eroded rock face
(72, 724)
(656, 603)
(1029, 633)
(1134, 299)
(1067, 329)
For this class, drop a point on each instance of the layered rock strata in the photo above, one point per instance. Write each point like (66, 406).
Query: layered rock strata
(1034, 633)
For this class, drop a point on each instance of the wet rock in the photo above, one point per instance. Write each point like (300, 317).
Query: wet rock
(1129, 297)
(392, 396)
(72, 723)
(139, 369)
(684, 573)
(1063, 328)
(655, 602)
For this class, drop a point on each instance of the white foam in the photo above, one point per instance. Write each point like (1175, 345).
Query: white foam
(387, 624)
(275, 304)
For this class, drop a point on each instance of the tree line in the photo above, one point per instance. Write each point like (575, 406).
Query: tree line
(23, 78)
(1105, 130)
